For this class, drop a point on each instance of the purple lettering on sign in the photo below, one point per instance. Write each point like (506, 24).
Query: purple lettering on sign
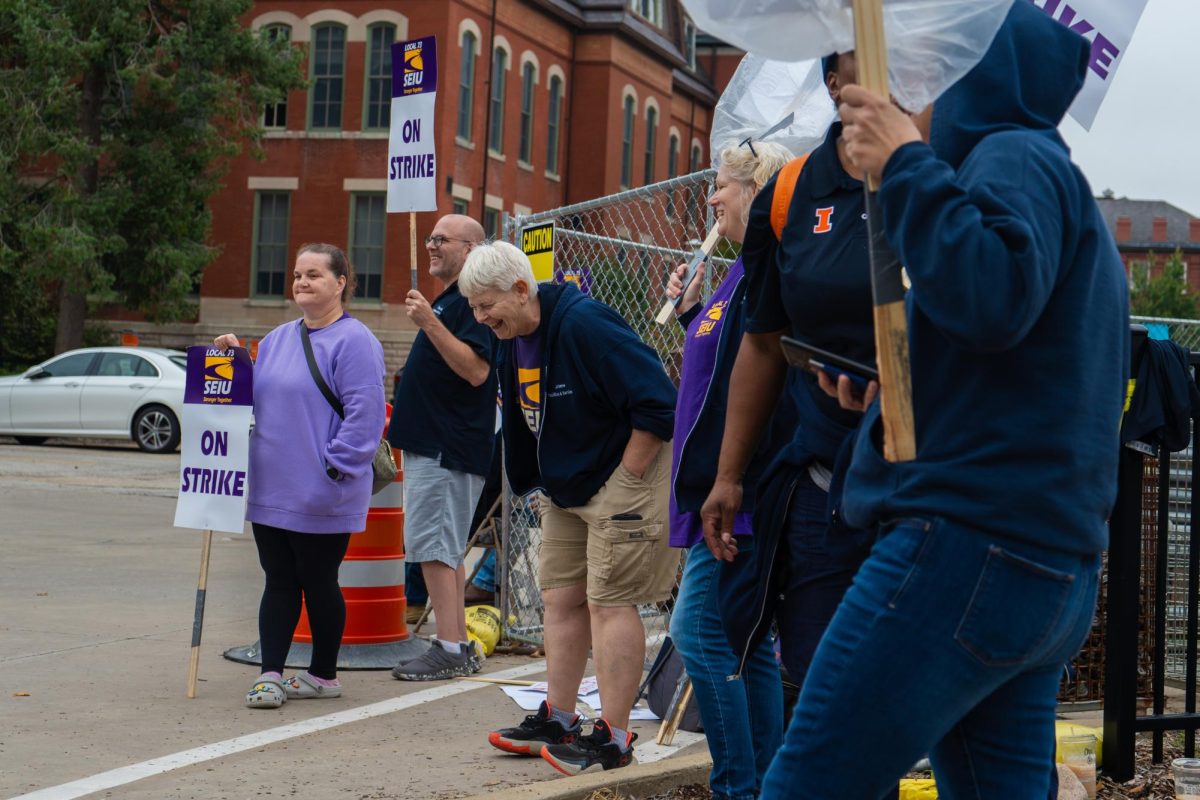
(1104, 52)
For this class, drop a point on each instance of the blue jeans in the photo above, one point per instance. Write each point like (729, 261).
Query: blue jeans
(950, 642)
(822, 561)
(742, 718)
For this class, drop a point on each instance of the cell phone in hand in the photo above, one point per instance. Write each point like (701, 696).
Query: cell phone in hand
(815, 360)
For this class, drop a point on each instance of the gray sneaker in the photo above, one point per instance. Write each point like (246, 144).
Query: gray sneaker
(476, 656)
(436, 665)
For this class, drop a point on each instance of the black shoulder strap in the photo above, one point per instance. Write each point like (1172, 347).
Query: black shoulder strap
(316, 373)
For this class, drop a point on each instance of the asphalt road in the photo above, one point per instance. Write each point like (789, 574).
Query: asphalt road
(98, 590)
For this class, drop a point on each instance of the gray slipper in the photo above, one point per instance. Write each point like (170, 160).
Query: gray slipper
(266, 693)
(301, 686)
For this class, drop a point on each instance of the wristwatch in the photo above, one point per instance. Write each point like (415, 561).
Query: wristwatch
(332, 473)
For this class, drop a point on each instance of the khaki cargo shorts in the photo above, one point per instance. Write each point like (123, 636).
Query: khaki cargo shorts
(617, 542)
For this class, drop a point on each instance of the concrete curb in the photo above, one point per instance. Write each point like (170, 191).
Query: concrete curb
(638, 781)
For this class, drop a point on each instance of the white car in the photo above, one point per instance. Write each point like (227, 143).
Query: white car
(107, 392)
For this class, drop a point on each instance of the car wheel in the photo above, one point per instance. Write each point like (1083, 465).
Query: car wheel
(156, 430)
(31, 439)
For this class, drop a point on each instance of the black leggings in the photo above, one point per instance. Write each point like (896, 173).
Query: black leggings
(301, 564)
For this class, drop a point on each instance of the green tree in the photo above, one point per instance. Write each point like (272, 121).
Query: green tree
(1166, 294)
(120, 117)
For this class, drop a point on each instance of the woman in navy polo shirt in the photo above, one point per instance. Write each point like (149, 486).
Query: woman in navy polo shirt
(740, 752)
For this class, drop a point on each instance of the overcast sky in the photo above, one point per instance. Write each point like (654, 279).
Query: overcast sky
(1145, 142)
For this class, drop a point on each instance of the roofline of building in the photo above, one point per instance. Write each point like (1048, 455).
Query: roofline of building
(692, 85)
(1160, 247)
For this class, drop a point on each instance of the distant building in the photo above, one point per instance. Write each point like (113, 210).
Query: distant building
(1150, 231)
(540, 103)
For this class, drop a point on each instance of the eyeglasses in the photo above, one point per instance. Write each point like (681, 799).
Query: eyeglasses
(437, 240)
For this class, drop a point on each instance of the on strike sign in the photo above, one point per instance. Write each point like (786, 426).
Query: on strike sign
(412, 164)
(218, 398)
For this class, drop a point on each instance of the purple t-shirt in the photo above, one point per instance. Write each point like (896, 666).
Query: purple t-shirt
(528, 353)
(699, 359)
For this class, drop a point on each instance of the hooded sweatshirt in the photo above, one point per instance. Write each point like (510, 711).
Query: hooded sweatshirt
(599, 381)
(1018, 312)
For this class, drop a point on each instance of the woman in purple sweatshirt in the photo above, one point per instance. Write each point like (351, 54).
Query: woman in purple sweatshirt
(744, 717)
(310, 469)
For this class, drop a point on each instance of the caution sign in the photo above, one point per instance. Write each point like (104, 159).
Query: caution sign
(538, 243)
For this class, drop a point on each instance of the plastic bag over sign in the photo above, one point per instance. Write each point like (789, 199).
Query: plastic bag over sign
(931, 43)
(761, 93)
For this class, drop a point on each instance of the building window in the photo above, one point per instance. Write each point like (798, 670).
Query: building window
(694, 161)
(556, 91)
(491, 222)
(328, 73)
(651, 135)
(627, 143)
(528, 79)
(271, 243)
(650, 10)
(689, 43)
(466, 86)
(459, 206)
(496, 130)
(672, 156)
(368, 224)
(275, 114)
(378, 110)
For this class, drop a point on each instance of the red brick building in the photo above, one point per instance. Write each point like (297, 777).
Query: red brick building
(540, 103)
(1150, 231)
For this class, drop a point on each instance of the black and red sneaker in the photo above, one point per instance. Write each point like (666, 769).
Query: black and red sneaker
(595, 751)
(536, 732)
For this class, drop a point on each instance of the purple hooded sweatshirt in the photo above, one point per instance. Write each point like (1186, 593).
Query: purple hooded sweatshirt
(298, 435)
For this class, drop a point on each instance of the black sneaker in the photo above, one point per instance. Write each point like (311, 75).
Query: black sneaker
(536, 732)
(595, 751)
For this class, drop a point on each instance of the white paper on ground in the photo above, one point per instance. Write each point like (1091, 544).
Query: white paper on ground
(529, 698)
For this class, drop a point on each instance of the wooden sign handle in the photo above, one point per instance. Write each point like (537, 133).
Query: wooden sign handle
(887, 289)
(706, 248)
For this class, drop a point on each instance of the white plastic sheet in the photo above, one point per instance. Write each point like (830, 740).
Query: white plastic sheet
(761, 93)
(931, 43)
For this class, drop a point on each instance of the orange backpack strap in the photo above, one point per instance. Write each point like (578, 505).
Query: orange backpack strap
(785, 186)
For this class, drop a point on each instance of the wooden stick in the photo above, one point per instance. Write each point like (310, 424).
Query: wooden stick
(706, 248)
(412, 246)
(497, 681)
(198, 619)
(887, 288)
(679, 704)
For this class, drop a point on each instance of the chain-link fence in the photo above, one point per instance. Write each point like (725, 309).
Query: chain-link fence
(618, 249)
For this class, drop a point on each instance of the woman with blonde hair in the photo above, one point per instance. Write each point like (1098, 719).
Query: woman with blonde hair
(743, 718)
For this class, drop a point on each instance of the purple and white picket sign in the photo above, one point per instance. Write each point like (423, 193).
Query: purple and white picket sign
(412, 162)
(218, 399)
(1109, 27)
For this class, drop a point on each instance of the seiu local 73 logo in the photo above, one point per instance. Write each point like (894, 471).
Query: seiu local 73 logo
(218, 375)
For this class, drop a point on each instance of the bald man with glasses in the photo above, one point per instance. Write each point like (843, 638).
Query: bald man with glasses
(444, 422)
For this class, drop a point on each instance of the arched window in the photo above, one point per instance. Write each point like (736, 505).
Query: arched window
(377, 110)
(496, 129)
(466, 86)
(556, 92)
(275, 114)
(528, 81)
(627, 143)
(697, 154)
(672, 156)
(327, 70)
(651, 136)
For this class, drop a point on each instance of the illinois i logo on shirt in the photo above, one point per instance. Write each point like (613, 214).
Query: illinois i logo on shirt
(824, 220)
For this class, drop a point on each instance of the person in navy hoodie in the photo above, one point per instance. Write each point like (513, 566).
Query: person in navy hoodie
(587, 417)
(743, 718)
(983, 580)
(310, 470)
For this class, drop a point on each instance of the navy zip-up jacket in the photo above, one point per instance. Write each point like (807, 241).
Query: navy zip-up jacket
(1018, 314)
(599, 382)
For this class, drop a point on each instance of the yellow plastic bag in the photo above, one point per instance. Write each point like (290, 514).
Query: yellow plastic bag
(483, 626)
(918, 789)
